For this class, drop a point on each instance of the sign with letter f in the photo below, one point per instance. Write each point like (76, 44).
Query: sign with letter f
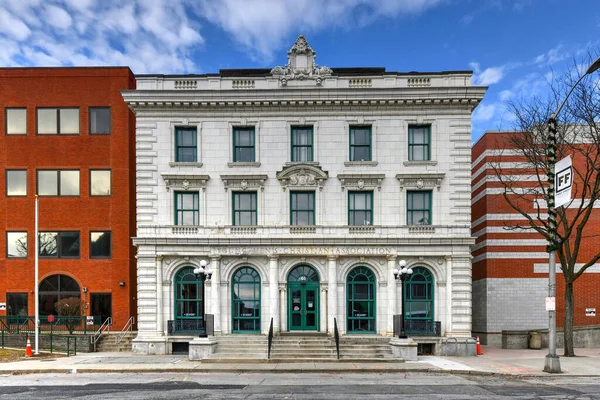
(563, 181)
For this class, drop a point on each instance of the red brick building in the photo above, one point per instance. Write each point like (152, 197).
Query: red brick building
(510, 267)
(67, 135)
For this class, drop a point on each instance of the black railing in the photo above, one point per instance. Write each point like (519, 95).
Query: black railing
(270, 340)
(417, 327)
(49, 324)
(336, 335)
(192, 326)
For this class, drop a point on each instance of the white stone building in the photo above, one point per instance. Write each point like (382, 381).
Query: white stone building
(303, 187)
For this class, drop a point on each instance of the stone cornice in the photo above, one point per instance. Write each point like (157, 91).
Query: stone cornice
(244, 182)
(302, 176)
(361, 181)
(185, 181)
(417, 180)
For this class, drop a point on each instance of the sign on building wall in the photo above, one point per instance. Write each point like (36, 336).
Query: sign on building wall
(2, 306)
(563, 181)
(590, 312)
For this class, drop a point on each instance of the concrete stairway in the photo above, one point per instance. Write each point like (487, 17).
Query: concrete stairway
(108, 342)
(240, 348)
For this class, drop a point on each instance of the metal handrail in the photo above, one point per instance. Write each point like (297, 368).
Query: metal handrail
(270, 340)
(127, 328)
(336, 335)
(104, 327)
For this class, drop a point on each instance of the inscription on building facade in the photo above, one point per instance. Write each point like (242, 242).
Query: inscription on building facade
(308, 251)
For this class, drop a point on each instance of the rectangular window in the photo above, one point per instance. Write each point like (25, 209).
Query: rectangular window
(187, 208)
(16, 121)
(16, 182)
(100, 244)
(243, 144)
(101, 306)
(16, 244)
(16, 304)
(186, 146)
(58, 121)
(58, 183)
(59, 244)
(418, 208)
(100, 182)
(360, 208)
(302, 143)
(302, 208)
(100, 121)
(244, 208)
(419, 138)
(360, 143)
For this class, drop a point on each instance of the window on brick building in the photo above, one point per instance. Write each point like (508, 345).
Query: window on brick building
(243, 144)
(57, 182)
(16, 304)
(419, 139)
(360, 208)
(59, 244)
(100, 121)
(360, 143)
(187, 208)
(100, 244)
(186, 144)
(244, 208)
(16, 182)
(16, 244)
(16, 121)
(302, 208)
(302, 143)
(100, 182)
(418, 208)
(58, 121)
(101, 305)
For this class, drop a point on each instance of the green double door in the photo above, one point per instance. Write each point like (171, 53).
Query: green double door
(303, 306)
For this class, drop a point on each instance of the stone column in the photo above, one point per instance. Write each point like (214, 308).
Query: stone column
(160, 328)
(392, 293)
(215, 291)
(332, 308)
(448, 300)
(274, 290)
(283, 308)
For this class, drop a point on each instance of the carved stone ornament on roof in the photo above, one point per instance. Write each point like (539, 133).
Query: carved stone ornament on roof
(303, 176)
(361, 181)
(420, 180)
(244, 182)
(185, 182)
(301, 65)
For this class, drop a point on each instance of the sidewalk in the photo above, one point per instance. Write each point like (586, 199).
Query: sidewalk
(494, 361)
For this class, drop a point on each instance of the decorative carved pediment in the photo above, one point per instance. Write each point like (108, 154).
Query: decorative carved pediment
(361, 181)
(244, 182)
(420, 180)
(185, 182)
(301, 65)
(302, 176)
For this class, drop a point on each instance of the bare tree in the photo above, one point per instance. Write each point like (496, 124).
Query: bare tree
(579, 137)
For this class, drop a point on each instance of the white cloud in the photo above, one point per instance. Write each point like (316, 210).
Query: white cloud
(263, 26)
(484, 112)
(553, 56)
(487, 77)
(505, 95)
(58, 18)
(13, 26)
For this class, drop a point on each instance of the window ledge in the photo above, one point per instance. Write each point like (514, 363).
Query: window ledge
(243, 164)
(417, 163)
(360, 163)
(185, 164)
(290, 163)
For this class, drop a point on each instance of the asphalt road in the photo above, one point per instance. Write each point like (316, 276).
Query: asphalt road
(150, 386)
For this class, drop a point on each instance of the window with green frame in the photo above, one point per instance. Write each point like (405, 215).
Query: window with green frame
(187, 208)
(419, 142)
(418, 296)
(244, 208)
(360, 301)
(360, 208)
(189, 295)
(243, 144)
(418, 208)
(245, 300)
(186, 144)
(302, 143)
(360, 143)
(302, 208)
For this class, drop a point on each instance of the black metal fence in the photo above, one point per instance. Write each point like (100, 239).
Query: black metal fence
(17, 324)
(192, 326)
(417, 327)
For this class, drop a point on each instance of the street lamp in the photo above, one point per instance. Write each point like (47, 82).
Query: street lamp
(552, 363)
(203, 273)
(401, 275)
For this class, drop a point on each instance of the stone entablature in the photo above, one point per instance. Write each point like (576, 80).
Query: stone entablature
(361, 181)
(185, 182)
(244, 182)
(302, 176)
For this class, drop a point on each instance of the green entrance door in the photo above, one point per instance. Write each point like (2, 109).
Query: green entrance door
(303, 299)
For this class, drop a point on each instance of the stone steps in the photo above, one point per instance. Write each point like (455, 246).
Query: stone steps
(108, 342)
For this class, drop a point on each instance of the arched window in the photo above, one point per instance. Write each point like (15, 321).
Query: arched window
(360, 301)
(245, 300)
(303, 273)
(418, 299)
(55, 288)
(189, 295)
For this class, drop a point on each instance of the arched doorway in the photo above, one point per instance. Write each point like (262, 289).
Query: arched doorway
(418, 300)
(189, 295)
(245, 301)
(55, 288)
(303, 299)
(361, 308)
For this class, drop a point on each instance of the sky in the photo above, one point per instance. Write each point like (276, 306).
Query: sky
(512, 46)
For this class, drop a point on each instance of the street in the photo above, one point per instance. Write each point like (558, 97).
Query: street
(331, 386)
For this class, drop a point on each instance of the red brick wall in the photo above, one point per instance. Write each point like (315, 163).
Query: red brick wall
(83, 88)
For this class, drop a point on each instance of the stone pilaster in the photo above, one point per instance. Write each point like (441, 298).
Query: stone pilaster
(215, 290)
(274, 290)
(392, 293)
(332, 292)
(160, 325)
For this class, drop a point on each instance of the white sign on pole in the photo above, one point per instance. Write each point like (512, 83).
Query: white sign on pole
(563, 181)
(550, 303)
